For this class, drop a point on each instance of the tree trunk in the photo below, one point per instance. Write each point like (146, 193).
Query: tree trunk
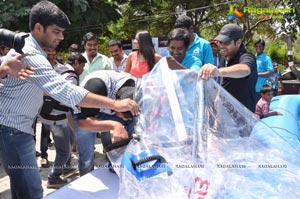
(290, 57)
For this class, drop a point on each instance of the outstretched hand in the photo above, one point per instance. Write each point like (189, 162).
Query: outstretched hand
(127, 105)
(209, 70)
(15, 67)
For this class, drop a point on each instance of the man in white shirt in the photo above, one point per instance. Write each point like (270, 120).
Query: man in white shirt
(118, 58)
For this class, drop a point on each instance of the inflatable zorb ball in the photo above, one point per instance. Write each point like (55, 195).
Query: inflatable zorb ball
(165, 125)
(213, 146)
(243, 158)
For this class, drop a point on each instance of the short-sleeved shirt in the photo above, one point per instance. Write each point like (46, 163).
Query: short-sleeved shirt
(100, 62)
(122, 65)
(243, 89)
(201, 48)
(262, 107)
(264, 64)
(191, 62)
(113, 82)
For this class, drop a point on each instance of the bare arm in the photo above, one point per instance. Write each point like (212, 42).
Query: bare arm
(265, 74)
(15, 67)
(97, 101)
(96, 125)
(235, 71)
(157, 57)
(128, 64)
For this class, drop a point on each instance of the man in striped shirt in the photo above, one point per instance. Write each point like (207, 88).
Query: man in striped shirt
(115, 85)
(21, 100)
(118, 57)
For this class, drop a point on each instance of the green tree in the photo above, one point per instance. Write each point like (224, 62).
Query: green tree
(291, 22)
(158, 17)
(85, 16)
(89, 16)
(12, 11)
(278, 52)
(296, 49)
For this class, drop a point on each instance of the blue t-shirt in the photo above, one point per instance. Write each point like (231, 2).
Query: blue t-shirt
(191, 62)
(201, 48)
(264, 64)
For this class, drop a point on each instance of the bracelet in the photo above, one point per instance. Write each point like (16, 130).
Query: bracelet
(113, 106)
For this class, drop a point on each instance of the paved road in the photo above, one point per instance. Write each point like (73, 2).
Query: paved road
(4, 180)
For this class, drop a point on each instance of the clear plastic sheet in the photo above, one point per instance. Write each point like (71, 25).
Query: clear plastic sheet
(215, 146)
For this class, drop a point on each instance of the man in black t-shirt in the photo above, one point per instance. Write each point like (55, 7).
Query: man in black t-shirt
(240, 73)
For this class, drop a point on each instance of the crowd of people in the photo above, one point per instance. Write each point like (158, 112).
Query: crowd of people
(89, 93)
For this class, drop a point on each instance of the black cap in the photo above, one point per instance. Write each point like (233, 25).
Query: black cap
(230, 32)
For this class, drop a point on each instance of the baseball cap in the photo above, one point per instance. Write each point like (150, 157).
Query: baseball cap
(230, 32)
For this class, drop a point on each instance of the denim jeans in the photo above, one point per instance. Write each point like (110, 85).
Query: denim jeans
(86, 141)
(17, 154)
(62, 141)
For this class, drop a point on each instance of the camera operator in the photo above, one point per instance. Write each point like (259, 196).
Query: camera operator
(13, 66)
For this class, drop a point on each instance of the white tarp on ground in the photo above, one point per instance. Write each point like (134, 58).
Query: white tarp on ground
(100, 183)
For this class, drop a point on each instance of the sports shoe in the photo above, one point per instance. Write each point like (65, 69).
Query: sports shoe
(68, 172)
(57, 183)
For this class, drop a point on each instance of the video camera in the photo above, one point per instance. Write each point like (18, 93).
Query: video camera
(12, 39)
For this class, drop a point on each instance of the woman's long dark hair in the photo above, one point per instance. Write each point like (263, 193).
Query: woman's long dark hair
(146, 48)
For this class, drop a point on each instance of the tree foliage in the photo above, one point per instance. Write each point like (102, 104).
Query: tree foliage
(85, 16)
(158, 16)
(120, 19)
(291, 22)
(11, 12)
(278, 52)
(89, 16)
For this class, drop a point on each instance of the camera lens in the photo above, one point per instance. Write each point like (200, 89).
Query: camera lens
(7, 38)
(19, 41)
(11, 39)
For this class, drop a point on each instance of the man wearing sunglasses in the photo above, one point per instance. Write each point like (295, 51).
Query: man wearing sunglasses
(240, 73)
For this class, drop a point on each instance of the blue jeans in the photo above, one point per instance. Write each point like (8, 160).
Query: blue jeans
(86, 141)
(62, 141)
(17, 154)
